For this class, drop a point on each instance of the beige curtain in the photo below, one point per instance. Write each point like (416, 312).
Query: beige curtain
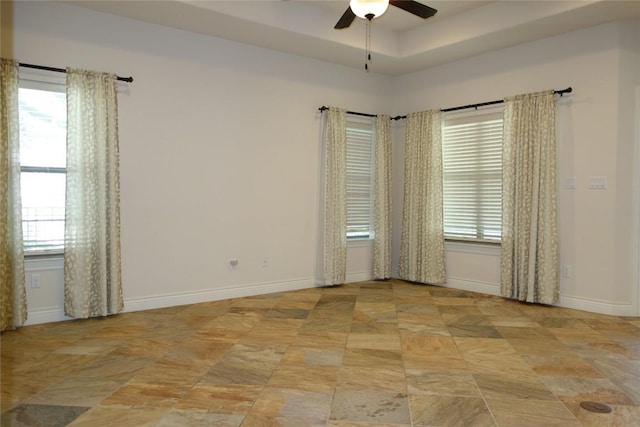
(335, 198)
(92, 277)
(529, 255)
(422, 239)
(13, 304)
(382, 199)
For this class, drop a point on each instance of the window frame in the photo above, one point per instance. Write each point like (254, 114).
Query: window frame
(366, 125)
(32, 79)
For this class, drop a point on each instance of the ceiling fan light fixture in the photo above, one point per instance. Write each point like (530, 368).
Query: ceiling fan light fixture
(362, 8)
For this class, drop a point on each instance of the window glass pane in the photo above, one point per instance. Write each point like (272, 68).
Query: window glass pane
(43, 128)
(43, 210)
(42, 145)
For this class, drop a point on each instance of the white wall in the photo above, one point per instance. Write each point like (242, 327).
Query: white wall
(596, 138)
(219, 152)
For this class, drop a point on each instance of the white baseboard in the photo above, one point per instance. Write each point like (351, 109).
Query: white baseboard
(597, 306)
(362, 276)
(473, 286)
(184, 298)
(350, 278)
(56, 314)
(46, 315)
(566, 301)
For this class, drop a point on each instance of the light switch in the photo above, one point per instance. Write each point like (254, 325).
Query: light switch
(570, 183)
(598, 182)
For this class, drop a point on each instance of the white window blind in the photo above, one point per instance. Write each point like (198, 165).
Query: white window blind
(472, 165)
(360, 140)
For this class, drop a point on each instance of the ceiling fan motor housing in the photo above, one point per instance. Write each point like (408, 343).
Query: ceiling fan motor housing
(369, 9)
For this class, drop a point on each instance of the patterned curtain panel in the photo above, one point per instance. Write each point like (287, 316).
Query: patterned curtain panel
(422, 240)
(335, 198)
(382, 199)
(13, 300)
(92, 278)
(529, 256)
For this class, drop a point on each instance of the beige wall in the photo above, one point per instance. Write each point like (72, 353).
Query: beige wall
(220, 154)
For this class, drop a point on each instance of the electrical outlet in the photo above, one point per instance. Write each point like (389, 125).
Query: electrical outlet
(566, 271)
(233, 264)
(265, 262)
(35, 280)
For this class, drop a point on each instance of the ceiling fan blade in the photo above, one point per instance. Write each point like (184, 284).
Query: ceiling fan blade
(346, 19)
(415, 8)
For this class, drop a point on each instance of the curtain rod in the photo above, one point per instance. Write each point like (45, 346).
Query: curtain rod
(444, 110)
(62, 70)
(354, 113)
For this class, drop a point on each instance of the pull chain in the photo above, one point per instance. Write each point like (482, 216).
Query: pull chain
(367, 51)
(368, 43)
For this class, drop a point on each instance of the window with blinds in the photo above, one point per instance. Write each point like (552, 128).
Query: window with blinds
(43, 139)
(472, 182)
(360, 140)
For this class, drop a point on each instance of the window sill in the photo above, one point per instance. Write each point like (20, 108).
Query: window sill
(44, 262)
(480, 248)
(34, 255)
(360, 242)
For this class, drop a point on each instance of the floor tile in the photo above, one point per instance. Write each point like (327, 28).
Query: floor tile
(320, 379)
(437, 410)
(311, 356)
(572, 389)
(451, 383)
(374, 341)
(372, 378)
(561, 365)
(502, 364)
(366, 406)
(176, 418)
(72, 391)
(495, 386)
(372, 357)
(114, 367)
(102, 416)
(620, 415)
(478, 331)
(484, 346)
(219, 399)
(285, 403)
(531, 413)
(28, 415)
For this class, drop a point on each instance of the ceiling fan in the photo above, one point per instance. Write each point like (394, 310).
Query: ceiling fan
(370, 9)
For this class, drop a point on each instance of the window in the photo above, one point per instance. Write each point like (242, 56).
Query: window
(360, 140)
(472, 182)
(43, 127)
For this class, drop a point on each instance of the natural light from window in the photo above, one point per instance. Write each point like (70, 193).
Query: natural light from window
(43, 125)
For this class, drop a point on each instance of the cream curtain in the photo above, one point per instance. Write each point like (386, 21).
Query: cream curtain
(13, 304)
(382, 199)
(92, 277)
(422, 240)
(529, 255)
(335, 198)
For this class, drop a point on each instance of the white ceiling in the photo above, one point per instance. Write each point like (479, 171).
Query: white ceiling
(401, 42)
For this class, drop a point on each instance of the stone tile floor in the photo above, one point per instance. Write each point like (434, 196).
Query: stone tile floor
(380, 354)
